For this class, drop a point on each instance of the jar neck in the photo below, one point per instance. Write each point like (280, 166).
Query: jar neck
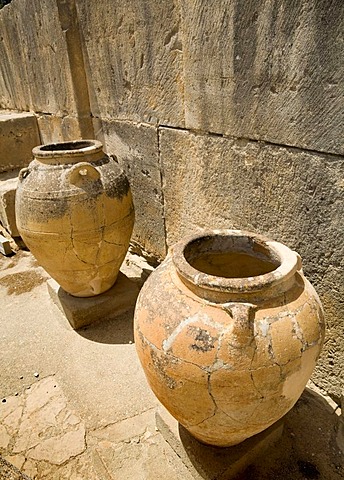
(69, 152)
(268, 269)
(227, 296)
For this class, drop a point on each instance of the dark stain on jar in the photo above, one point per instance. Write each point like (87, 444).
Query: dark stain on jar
(204, 342)
(118, 187)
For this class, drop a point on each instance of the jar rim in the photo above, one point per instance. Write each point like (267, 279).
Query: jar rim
(288, 263)
(69, 148)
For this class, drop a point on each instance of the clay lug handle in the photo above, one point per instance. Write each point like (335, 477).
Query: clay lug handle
(82, 171)
(243, 317)
(24, 172)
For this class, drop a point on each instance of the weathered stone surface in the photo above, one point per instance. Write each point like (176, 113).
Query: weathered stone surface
(42, 66)
(134, 62)
(137, 150)
(8, 186)
(149, 458)
(54, 129)
(86, 311)
(40, 426)
(122, 431)
(269, 71)
(35, 72)
(18, 135)
(292, 196)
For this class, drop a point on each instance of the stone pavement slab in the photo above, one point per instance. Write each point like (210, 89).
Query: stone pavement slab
(38, 425)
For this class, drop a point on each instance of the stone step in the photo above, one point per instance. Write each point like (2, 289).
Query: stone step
(8, 186)
(19, 133)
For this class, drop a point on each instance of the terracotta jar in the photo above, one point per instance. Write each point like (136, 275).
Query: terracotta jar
(75, 213)
(228, 331)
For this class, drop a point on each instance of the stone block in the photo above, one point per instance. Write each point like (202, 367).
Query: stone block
(81, 312)
(42, 68)
(135, 67)
(270, 71)
(214, 463)
(18, 135)
(8, 187)
(53, 128)
(137, 150)
(291, 195)
(5, 247)
(35, 69)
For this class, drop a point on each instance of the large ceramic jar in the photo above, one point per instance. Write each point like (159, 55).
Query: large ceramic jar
(228, 331)
(75, 213)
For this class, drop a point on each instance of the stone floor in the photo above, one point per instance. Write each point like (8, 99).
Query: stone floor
(75, 404)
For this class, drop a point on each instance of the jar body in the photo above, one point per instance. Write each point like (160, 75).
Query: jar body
(75, 213)
(225, 368)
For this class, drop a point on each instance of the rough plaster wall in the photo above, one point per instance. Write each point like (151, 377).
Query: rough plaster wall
(270, 71)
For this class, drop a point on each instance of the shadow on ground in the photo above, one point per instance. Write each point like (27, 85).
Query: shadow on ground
(307, 449)
(118, 330)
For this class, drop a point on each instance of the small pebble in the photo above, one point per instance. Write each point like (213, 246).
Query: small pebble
(130, 341)
(21, 377)
(16, 394)
(3, 400)
(28, 388)
(36, 374)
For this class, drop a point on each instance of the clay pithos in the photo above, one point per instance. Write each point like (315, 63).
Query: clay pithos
(228, 331)
(75, 213)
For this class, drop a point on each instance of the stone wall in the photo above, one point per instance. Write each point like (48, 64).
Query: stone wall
(222, 113)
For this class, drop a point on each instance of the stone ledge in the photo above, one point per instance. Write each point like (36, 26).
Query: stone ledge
(8, 187)
(81, 312)
(18, 136)
(214, 463)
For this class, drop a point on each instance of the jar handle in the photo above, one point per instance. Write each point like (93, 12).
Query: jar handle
(243, 321)
(82, 171)
(24, 172)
